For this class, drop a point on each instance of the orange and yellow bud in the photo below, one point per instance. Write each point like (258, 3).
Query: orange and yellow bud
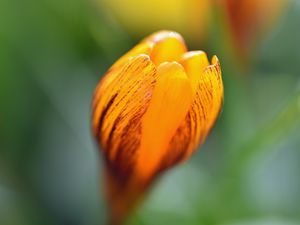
(151, 110)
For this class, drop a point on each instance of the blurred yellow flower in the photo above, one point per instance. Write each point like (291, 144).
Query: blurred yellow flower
(189, 17)
(248, 20)
(151, 110)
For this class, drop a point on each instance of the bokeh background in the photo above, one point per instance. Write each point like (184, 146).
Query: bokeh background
(52, 54)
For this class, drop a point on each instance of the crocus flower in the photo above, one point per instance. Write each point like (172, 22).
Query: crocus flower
(151, 110)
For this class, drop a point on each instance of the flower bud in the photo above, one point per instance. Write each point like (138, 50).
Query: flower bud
(151, 110)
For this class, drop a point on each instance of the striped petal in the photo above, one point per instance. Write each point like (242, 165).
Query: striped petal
(141, 48)
(206, 106)
(123, 102)
(117, 127)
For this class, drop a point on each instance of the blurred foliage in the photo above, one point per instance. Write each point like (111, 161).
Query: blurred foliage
(53, 52)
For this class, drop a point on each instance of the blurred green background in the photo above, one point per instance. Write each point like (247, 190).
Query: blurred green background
(52, 54)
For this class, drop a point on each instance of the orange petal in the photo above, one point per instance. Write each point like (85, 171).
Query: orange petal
(207, 104)
(122, 103)
(161, 35)
(172, 97)
(141, 48)
(168, 47)
(194, 63)
(117, 116)
(114, 71)
(214, 78)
